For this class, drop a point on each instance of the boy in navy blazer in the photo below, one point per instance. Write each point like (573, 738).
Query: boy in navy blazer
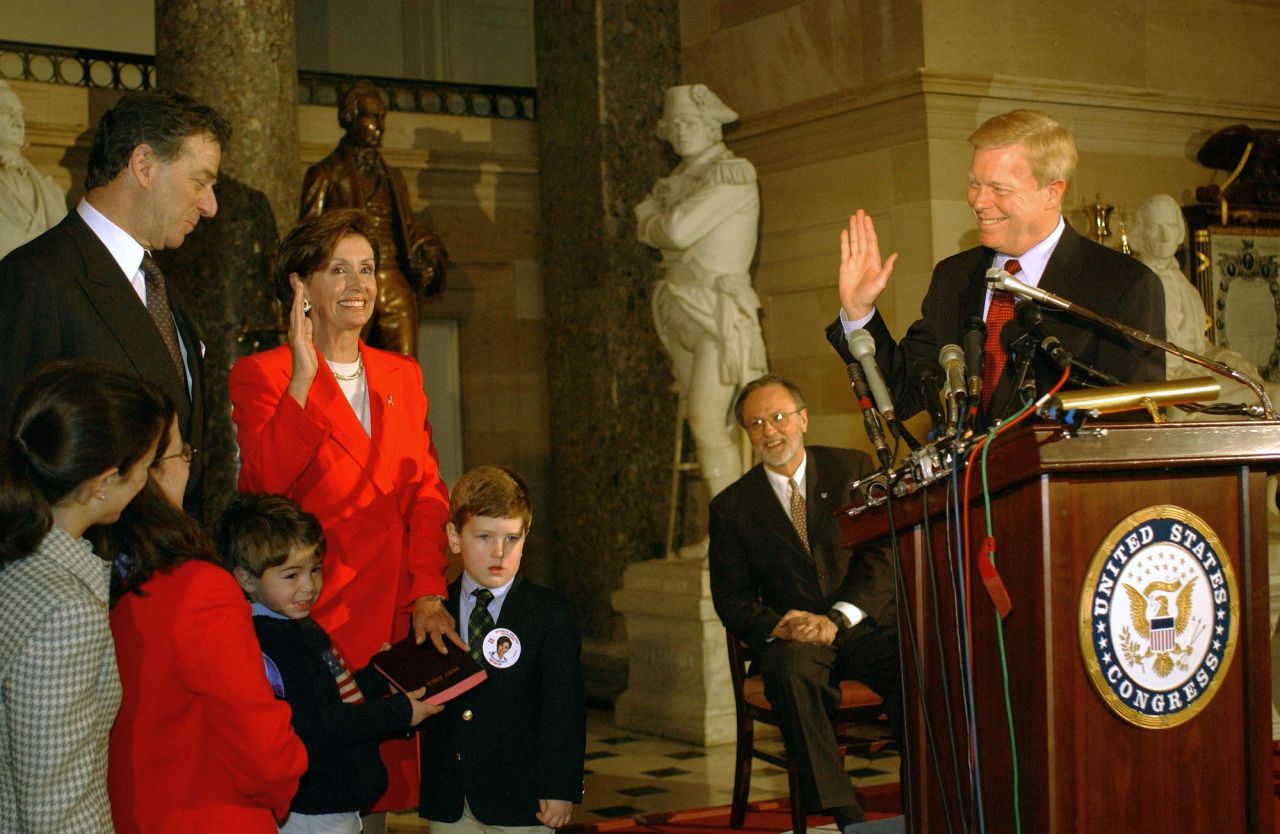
(508, 753)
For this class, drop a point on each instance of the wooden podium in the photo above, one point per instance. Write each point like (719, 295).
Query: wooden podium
(1081, 766)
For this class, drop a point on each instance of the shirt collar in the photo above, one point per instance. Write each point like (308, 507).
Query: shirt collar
(468, 585)
(1035, 259)
(779, 482)
(77, 556)
(260, 610)
(126, 251)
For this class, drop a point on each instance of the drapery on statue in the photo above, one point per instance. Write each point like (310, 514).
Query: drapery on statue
(1158, 229)
(30, 202)
(703, 217)
(412, 258)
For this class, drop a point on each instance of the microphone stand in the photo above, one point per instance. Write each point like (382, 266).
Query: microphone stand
(998, 279)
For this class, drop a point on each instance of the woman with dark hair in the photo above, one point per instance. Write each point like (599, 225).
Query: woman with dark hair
(77, 451)
(341, 428)
(201, 743)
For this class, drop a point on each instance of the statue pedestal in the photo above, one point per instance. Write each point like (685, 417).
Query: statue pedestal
(678, 680)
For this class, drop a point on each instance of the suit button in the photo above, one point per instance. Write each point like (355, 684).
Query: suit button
(466, 715)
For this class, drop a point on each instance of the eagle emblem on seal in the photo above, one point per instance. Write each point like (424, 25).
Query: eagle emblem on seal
(1157, 626)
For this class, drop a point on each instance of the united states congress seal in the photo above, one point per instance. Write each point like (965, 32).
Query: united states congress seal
(1159, 614)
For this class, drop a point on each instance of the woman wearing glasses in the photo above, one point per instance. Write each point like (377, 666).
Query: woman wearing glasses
(201, 743)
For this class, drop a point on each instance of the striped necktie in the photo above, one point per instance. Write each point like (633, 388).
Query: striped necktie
(480, 623)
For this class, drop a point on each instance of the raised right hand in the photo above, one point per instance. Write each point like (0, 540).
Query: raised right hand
(301, 346)
(863, 276)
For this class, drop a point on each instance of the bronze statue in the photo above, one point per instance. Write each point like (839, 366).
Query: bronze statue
(412, 258)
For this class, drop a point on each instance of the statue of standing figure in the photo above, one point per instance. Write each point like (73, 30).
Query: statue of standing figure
(411, 258)
(30, 202)
(704, 217)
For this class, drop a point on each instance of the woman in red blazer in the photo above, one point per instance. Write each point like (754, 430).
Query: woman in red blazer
(341, 428)
(201, 744)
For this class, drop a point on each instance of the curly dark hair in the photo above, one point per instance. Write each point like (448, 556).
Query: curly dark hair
(162, 119)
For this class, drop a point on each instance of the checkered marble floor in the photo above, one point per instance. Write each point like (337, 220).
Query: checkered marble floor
(630, 773)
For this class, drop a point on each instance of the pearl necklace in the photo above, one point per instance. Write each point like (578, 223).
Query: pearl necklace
(359, 372)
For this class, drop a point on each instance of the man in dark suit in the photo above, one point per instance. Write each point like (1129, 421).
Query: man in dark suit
(88, 287)
(1022, 162)
(812, 614)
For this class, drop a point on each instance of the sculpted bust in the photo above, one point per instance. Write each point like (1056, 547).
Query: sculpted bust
(30, 202)
(411, 258)
(703, 217)
(1158, 229)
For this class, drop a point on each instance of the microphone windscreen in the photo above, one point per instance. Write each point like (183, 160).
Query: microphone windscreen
(1028, 314)
(1010, 334)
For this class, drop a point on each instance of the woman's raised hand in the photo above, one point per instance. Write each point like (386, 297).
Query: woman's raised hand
(301, 346)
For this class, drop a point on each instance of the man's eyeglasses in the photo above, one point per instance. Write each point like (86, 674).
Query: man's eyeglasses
(187, 453)
(777, 420)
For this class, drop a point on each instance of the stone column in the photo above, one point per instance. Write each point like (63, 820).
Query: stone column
(602, 69)
(241, 59)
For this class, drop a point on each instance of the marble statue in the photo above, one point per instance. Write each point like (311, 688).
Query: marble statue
(411, 258)
(30, 202)
(703, 217)
(1158, 229)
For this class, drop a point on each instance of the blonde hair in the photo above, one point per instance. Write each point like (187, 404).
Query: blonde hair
(1050, 150)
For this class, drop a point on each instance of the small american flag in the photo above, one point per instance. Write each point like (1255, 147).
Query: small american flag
(347, 687)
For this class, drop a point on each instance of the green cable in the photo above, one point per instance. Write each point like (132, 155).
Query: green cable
(1004, 661)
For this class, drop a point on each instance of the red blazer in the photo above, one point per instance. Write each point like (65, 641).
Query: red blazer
(200, 743)
(379, 498)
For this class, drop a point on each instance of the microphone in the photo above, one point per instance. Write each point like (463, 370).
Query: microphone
(863, 347)
(998, 279)
(1032, 321)
(975, 344)
(1020, 347)
(927, 377)
(951, 357)
(869, 418)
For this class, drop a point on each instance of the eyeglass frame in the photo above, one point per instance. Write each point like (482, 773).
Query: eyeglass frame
(187, 453)
(777, 419)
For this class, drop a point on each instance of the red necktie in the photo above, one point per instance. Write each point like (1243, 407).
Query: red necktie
(998, 314)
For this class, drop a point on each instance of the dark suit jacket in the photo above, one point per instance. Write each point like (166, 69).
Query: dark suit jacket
(1101, 279)
(520, 736)
(65, 298)
(760, 569)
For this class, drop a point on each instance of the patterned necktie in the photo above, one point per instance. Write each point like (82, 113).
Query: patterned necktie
(799, 519)
(999, 312)
(158, 307)
(480, 623)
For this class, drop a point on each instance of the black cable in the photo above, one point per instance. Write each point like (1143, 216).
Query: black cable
(942, 655)
(931, 744)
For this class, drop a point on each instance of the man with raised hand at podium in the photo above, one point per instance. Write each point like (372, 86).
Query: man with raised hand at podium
(1022, 163)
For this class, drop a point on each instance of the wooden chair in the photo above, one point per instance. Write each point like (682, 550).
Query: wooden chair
(858, 703)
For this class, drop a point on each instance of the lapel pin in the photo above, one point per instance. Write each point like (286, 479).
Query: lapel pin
(822, 495)
(389, 400)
